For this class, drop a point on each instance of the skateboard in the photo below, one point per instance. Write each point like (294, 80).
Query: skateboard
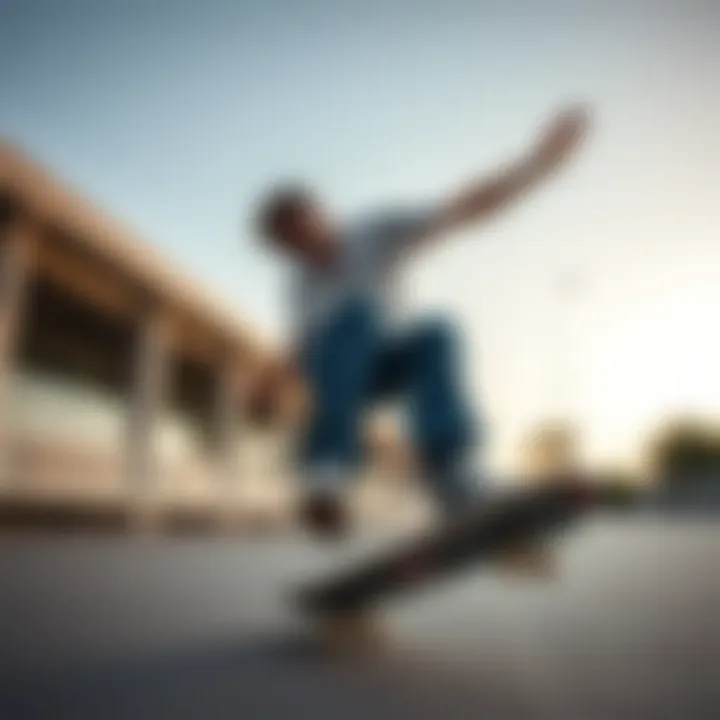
(496, 526)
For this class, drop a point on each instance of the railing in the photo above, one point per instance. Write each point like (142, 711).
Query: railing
(51, 468)
(62, 476)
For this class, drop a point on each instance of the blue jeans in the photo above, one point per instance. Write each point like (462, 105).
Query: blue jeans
(351, 363)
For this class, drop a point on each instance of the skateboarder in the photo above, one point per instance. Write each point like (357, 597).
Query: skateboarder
(350, 350)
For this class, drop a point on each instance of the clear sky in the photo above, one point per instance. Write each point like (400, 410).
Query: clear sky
(599, 297)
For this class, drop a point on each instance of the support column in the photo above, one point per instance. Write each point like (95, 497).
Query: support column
(227, 399)
(15, 270)
(226, 413)
(148, 392)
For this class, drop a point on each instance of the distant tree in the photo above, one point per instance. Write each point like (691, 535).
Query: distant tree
(686, 450)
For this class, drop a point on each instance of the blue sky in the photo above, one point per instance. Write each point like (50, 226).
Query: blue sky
(174, 115)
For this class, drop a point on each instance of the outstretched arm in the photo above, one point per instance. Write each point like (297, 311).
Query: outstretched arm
(484, 198)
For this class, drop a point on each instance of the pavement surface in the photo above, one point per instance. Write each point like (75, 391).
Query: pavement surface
(122, 627)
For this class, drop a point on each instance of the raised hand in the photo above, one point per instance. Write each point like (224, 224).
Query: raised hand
(561, 138)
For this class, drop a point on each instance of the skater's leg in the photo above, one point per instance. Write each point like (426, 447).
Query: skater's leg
(424, 364)
(338, 364)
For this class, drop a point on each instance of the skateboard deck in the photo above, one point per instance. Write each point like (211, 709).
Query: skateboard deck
(496, 526)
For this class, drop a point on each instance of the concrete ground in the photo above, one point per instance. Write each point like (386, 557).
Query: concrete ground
(122, 627)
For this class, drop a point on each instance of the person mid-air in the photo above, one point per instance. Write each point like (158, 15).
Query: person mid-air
(349, 350)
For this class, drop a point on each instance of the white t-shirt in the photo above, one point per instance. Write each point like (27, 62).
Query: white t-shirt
(366, 268)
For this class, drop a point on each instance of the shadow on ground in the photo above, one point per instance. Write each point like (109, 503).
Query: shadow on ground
(119, 628)
(261, 676)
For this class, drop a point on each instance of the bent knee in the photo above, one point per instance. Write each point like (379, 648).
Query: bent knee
(436, 335)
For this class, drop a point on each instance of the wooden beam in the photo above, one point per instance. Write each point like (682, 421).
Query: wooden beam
(86, 279)
(195, 341)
